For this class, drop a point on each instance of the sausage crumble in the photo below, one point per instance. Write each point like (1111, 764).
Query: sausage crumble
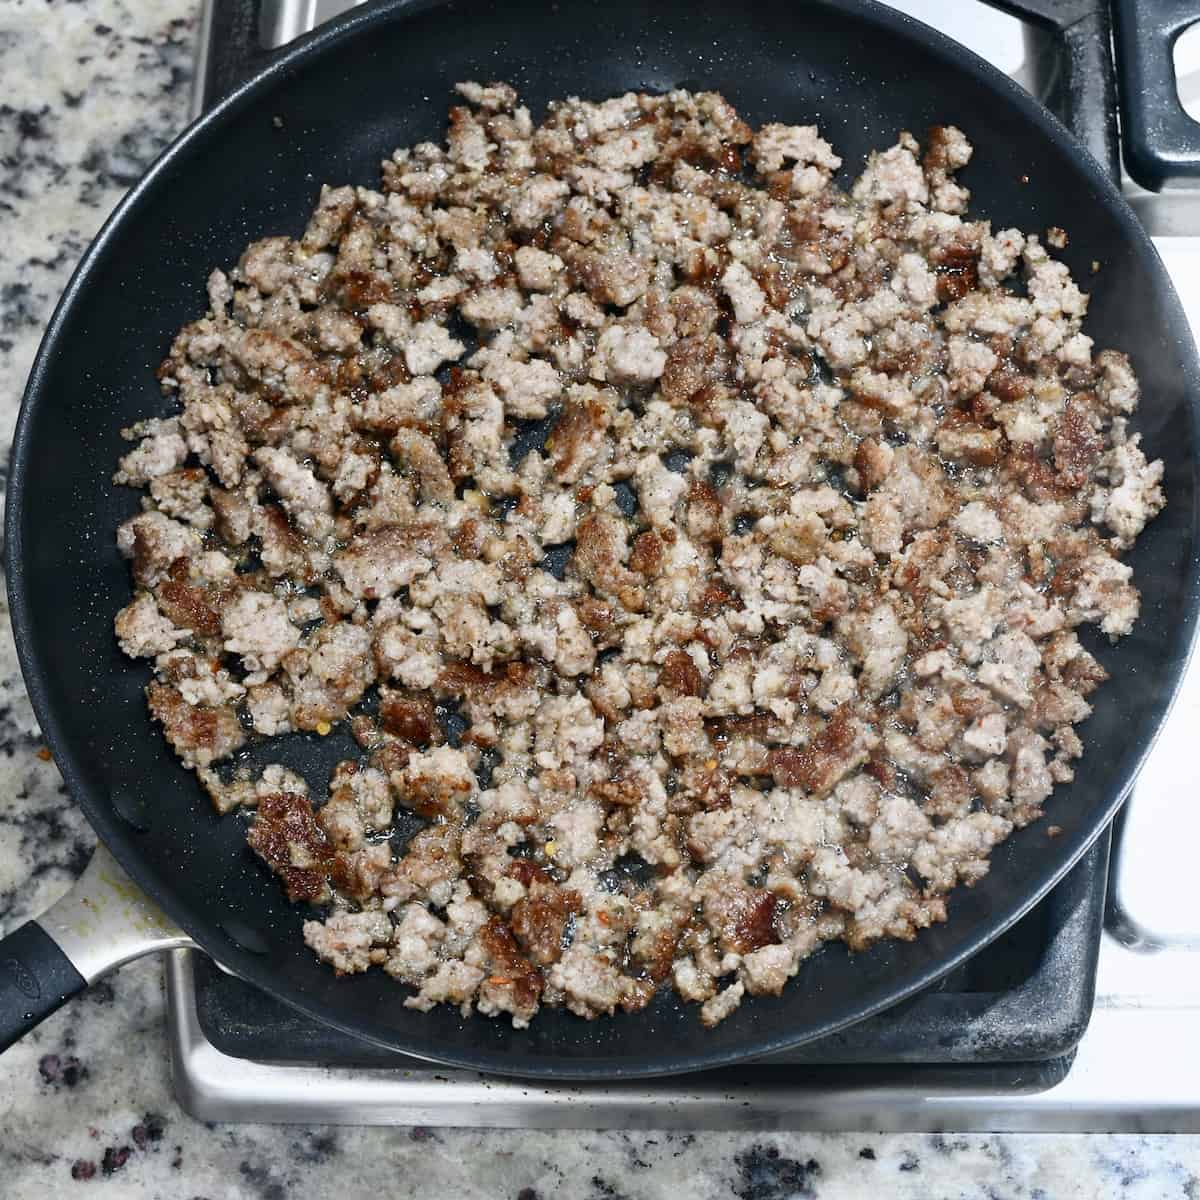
(744, 522)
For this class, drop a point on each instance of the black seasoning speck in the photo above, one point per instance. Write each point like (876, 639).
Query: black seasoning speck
(867, 1153)
(83, 1169)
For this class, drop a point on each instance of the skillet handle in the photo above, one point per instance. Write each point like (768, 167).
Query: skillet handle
(101, 923)
(1161, 142)
(36, 979)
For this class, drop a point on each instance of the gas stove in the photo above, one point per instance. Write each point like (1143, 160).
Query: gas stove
(1084, 1016)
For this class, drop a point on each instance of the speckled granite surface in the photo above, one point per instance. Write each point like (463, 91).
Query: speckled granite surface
(92, 90)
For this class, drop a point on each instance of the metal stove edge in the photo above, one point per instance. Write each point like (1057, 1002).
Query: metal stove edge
(1137, 1070)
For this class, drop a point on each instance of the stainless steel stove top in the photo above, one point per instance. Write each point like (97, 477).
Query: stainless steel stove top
(1137, 1068)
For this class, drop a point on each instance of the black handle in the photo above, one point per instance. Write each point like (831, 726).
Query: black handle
(36, 979)
(1161, 142)
(233, 33)
(1072, 69)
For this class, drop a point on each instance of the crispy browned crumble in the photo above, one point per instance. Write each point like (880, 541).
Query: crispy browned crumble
(781, 612)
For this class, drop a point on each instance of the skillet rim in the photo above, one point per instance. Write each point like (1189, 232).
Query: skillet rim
(326, 40)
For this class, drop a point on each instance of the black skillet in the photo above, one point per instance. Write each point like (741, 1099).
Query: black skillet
(330, 109)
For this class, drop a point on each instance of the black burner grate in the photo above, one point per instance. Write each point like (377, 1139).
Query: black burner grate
(1026, 998)
(1069, 40)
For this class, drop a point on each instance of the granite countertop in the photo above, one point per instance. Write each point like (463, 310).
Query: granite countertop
(93, 90)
